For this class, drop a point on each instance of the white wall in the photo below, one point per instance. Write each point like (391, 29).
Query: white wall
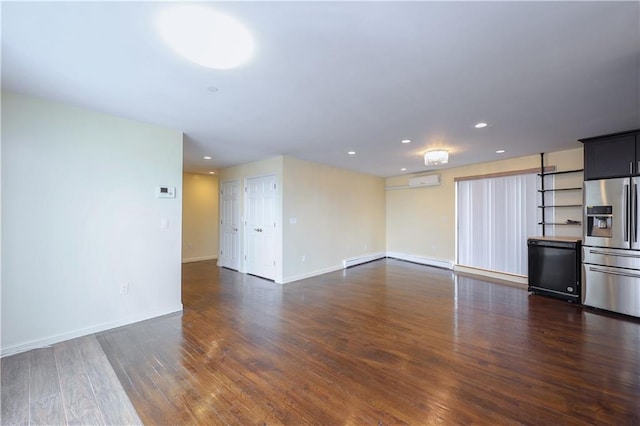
(338, 215)
(269, 166)
(200, 217)
(80, 218)
(421, 221)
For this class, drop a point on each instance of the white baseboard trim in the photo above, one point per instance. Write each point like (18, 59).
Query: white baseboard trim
(347, 263)
(520, 280)
(51, 340)
(438, 263)
(310, 274)
(198, 259)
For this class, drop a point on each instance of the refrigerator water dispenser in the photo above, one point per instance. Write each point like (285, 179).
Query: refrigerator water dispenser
(600, 221)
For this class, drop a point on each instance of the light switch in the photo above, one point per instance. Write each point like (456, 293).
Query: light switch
(293, 220)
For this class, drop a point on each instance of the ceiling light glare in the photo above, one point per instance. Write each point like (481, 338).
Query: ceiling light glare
(436, 157)
(480, 125)
(351, 153)
(204, 36)
(500, 151)
(212, 173)
(207, 157)
(406, 141)
(404, 169)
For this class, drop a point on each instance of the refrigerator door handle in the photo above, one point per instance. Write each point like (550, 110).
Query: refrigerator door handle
(634, 212)
(606, 253)
(609, 272)
(625, 213)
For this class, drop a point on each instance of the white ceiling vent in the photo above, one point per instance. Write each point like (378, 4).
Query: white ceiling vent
(428, 180)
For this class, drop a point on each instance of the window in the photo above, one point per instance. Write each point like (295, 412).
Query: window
(495, 216)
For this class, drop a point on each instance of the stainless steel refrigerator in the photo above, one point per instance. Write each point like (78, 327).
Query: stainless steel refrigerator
(610, 250)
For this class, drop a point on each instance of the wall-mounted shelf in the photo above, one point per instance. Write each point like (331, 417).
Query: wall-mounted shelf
(572, 223)
(562, 172)
(542, 190)
(560, 189)
(560, 205)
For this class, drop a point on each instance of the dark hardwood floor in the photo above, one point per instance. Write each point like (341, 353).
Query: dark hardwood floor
(69, 383)
(388, 342)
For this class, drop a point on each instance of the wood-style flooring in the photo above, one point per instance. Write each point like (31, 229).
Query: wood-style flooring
(387, 342)
(69, 383)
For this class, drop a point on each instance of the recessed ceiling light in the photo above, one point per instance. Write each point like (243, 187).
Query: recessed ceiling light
(351, 153)
(403, 169)
(204, 36)
(206, 157)
(212, 173)
(500, 151)
(406, 141)
(480, 125)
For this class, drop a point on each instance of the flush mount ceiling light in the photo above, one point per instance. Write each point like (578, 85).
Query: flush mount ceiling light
(204, 36)
(351, 153)
(406, 141)
(436, 157)
(206, 157)
(481, 125)
(500, 151)
(212, 173)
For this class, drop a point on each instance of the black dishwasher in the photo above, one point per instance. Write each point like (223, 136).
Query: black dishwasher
(555, 267)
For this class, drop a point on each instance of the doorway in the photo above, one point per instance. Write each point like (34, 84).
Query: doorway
(230, 225)
(260, 226)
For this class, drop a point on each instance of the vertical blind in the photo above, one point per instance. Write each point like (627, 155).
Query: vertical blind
(495, 217)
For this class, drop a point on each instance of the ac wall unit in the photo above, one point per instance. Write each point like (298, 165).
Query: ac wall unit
(428, 180)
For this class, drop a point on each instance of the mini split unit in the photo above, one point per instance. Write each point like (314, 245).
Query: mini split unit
(428, 180)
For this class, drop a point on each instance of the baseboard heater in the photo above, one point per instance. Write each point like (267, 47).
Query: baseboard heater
(348, 263)
(437, 263)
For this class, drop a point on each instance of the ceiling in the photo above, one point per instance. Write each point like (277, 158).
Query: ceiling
(330, 77)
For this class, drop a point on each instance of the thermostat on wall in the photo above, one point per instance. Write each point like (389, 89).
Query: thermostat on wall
(165, 192)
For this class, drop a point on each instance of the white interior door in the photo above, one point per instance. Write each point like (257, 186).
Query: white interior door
(260, 226)
(229, 225)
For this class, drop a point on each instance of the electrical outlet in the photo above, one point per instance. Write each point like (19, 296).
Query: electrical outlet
(124, 288)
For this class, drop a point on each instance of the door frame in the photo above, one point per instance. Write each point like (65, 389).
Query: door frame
(279, 270)
(238, 218)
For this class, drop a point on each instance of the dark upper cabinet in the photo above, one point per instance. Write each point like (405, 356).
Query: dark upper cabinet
(611, 156)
